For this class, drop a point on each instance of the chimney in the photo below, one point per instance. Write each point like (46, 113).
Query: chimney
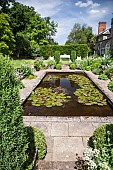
(101, 27)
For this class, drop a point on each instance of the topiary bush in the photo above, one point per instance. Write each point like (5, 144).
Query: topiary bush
(13, 137)
(37, 146)
(58, 66)
(73, 56)
(101, 135)
(57, 57)
(72, 66)
(37, 141)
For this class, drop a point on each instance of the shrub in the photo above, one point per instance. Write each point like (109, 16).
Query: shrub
(37, 141)
(103, 77)
(73, 56)
(13, 137)
(58, 66)
(57, 57)
(96, 71)
(20, 85)
(72, 66)
(51, 63)
(101, 135)
(110, 85)
(38, 64)
(30, 77)
(109, 72)
(26, 70)
(103, 141)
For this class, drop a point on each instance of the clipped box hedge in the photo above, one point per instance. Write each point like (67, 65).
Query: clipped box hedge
(49, 50)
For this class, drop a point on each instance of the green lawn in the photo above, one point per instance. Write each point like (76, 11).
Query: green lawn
(18, 63)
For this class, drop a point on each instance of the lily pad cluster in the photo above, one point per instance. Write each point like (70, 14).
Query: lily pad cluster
(50, 78)
(87, 93)
(48, 97)
(79, 79)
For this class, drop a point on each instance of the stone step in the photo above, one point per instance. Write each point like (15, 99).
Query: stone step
(53, 165)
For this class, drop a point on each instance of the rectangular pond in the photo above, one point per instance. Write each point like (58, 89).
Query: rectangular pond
(67, 94)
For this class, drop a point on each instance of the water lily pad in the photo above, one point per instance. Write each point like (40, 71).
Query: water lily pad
(48, 97)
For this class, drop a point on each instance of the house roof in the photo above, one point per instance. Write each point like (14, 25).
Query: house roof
(106, 32)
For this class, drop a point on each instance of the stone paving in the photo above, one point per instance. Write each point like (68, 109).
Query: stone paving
(65, 136)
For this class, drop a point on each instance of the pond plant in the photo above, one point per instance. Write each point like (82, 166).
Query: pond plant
(48, 97)
(87, 93)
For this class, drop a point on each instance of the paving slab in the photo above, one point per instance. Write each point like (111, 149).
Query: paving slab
(59, 129)
(66, 148)
(44, 126)
(80, 129)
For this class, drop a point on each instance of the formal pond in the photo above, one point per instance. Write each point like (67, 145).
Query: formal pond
(67, 94)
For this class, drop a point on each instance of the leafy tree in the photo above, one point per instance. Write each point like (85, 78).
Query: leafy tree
(51, 27)
(6, 36)
(13, 137)
(37, 30)
(81, 35)
(4, 5)
(20, 17)
(22, 45)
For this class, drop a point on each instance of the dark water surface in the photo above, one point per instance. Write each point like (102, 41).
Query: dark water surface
(70, 108)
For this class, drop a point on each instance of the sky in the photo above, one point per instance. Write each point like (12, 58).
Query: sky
(68, 12)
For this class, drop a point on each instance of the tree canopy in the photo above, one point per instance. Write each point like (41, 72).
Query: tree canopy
(6, 36)
(81, 35)
(24, 25)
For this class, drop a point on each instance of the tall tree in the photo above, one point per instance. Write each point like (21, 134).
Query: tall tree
(81, 35)
(37, 30)
(5, 4)
(20, 17)
(6, 36)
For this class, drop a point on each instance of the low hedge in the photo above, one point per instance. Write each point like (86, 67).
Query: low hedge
(37, 142)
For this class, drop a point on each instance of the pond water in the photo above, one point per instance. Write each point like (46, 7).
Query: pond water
(73, 102)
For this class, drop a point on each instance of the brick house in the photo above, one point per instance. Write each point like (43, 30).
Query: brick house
(104, 42)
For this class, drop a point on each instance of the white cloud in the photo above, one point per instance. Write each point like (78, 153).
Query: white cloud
(97, 11)
(89, 3)
(45, 8)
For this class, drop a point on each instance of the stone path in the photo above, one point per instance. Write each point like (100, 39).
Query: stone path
(65, 136)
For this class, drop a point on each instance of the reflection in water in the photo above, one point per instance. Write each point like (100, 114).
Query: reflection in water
(72, 107)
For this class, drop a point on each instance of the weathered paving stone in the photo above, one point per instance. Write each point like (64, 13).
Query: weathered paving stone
(80, 129)
(86, 142)
(90, 118)
(65, 148)
(44, 126)
(50, 143)
(104, 119)
(97, 124)
(59, 129)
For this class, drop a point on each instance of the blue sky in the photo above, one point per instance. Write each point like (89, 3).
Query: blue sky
(68, 12)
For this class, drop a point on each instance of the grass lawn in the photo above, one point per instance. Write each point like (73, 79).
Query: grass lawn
(18, 63)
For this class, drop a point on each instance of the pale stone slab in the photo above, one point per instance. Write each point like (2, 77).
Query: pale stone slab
(49, 142)
(44, 126)
(96, 125)
(90, 119)
(85, 141)
(59, 129)
(66, 148)
(80, 129)
(105, 119)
